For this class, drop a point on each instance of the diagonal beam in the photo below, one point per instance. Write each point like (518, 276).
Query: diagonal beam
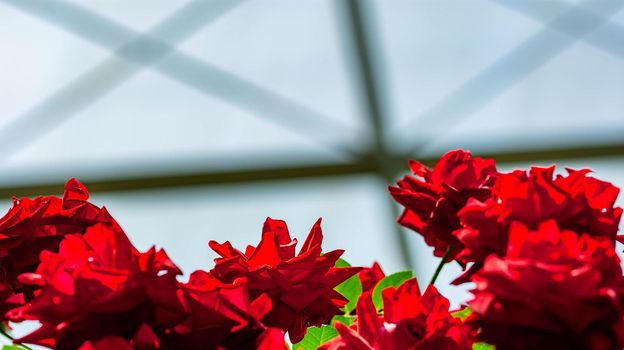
(133, 52)
(533, 53)
(608, 38)
(367, 76)
(361, 25)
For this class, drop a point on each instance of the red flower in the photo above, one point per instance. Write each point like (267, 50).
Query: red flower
(553, 290)
(221, 316)
(370, 276)
(432, 199)
(301, 287)
(107, 343)
(99, 285)
(144, 339)
(34, 225)
(575, 201)
(271, 339)
(410, 321)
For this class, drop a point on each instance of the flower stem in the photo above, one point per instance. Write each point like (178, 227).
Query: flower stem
(440, 265)
(8, 336)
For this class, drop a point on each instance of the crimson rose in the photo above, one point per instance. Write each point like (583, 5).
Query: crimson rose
(34, 225)
(433, 198)
(410, 321)
(221, 316)
(98, 285)
(144, 339)
(370, 276)
(301, 287)
(577, 202)
(553, 290)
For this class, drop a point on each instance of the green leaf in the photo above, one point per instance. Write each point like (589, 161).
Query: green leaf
(482, 346)
(394, 280)
(316, 337)
(462, 314)
(344, 319)
(12, 347)
(342, 263)
(350, 289)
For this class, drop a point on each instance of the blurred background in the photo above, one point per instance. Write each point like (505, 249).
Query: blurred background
(195, 120)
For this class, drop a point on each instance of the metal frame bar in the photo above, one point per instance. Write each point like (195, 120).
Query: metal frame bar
(361, 25)
(361, 166)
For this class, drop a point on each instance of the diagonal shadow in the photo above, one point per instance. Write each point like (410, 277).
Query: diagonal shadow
(609, 37)
(134, 52)
(533, 53)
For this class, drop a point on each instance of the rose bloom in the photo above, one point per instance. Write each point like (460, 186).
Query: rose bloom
(577, 202)
(269, 339)
(553, 290)
(432, 198)
(144, 339)
(410, 321)
(221, 316)
(370, 276)
(300, 286)
(99, 285)
(34, 225)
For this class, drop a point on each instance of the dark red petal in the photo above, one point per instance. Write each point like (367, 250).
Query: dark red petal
(272, 339)
(75, 191)
(314, 239)
(369, 323)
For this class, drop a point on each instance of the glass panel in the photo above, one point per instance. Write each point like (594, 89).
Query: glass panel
(431, 47)
(154, 120)
(292, 48)
(571, 101)
(38, 59)
(129, 119)
(139, 15)
(484, 75)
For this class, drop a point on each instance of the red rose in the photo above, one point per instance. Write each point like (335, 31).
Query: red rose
(370, 276)
(144, 339)
(34, 225)
(577, 202)
(553, 290)
(107, 343)
(410, 321)
(301, 287)
(221, 316)
(271, 339)
(99, 285)
(433, 198)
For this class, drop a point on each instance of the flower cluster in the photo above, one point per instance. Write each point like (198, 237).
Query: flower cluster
(575, 201)
(34, 225)
(433, 199)
(409, 321)
(90, 288)
(98, 285)
(540, 249)
(300, 287)
(556, 289)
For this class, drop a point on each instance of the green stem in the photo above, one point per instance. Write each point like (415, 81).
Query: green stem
(440, 265)
(8, 336)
